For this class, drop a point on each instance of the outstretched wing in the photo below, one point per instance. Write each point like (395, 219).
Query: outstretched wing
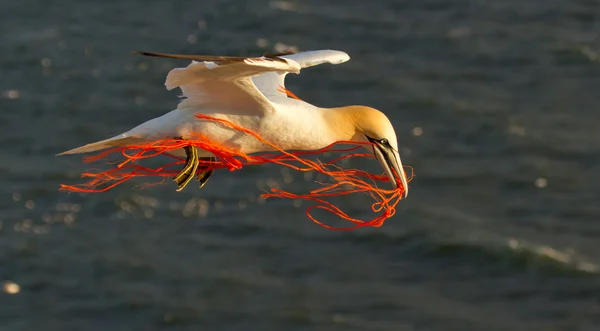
(272, 84)
(224, 82)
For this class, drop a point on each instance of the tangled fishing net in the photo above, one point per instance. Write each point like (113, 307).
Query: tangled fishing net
(345, 181)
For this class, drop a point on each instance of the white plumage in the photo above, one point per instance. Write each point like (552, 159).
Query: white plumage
(249, 92)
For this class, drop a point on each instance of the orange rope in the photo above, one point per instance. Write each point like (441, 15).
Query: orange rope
(287, 92)
(346, 181)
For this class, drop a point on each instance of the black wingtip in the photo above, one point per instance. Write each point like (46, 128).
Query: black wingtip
(145, 53)
(272, 55)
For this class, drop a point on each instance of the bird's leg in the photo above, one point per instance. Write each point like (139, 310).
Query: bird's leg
(205, 175)
(191, 165)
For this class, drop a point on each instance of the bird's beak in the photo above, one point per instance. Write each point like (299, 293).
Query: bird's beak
(391, 164)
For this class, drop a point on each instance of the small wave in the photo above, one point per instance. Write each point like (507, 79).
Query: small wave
(540, 253)
(493, 250)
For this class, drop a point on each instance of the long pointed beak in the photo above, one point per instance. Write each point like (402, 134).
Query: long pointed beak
(392, 165)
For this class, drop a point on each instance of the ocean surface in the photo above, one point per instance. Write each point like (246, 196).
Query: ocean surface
(496, 105)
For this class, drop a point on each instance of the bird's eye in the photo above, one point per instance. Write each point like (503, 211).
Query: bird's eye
(384, 141)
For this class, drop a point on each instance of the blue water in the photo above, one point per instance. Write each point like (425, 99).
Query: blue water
(495, 104)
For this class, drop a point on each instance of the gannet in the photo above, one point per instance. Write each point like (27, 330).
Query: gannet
(250, 92)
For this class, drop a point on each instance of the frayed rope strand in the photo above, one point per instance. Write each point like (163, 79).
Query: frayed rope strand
(346, 181)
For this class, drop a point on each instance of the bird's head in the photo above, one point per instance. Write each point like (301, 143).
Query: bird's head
(363, 124)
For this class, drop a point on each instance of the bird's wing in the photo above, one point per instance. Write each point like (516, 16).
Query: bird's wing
(224, 82)
(272, 84)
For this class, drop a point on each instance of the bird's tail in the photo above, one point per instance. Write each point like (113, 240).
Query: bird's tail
(103, 144)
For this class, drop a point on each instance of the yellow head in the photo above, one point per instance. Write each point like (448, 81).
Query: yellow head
(361, 123)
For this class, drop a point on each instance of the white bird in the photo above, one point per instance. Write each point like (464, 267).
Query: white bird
(249, 92)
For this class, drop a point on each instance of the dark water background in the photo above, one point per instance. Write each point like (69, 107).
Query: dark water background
(496, 106)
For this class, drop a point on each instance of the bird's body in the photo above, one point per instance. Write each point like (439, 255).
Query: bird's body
(250, 92)
(296, 126)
